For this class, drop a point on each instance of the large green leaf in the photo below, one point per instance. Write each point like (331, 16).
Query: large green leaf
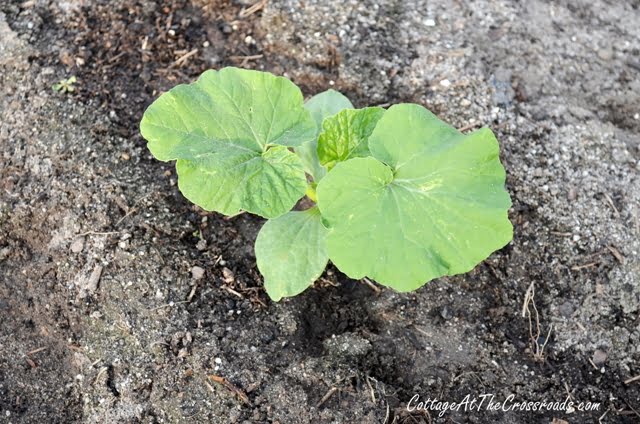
(291, 252)
(222, 130)
(321, 106)
(430, 202)
(266, 184)
(345, 135)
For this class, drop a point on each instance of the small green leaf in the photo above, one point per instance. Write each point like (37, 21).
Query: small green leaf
(321, 106)
(345, 135)
(291, 252)
(326, 104)
(222, 130)
(430, 202)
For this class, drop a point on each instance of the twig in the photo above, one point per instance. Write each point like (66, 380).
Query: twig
(97, 233)
(632, 408)
(371, 285)
(616, 254)
(33, 352)
(632, 379)
(589, 265)
(233, 292)
(326, 396)
(227, 384)
(230, 217)
(192, 292)
(470, 126)
(373, 393)
(538, 354)
(252, 9)
(610, 202)
(182, 59)
(245, 59)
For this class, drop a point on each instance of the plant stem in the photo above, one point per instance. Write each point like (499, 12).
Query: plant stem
(311, 192)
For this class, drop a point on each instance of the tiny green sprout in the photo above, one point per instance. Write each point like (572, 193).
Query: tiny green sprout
(65, 85)
(398, 195)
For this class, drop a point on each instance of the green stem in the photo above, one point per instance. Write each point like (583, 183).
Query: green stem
(311, 192)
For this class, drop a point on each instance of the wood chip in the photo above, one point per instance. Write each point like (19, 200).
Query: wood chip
(91, 284)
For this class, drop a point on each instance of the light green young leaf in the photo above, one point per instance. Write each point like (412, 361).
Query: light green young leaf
(221, 129)
(430, 202)
(326, 104)
(321, 106)
(345, 135)
(291, 252)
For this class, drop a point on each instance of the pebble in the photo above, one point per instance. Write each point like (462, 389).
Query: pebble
(446, 313)
(430, 22)
(599, 357)
(605, 54)
(201, 245)
(445, 83)
(197, 273)
(77, 245)
(227, 275)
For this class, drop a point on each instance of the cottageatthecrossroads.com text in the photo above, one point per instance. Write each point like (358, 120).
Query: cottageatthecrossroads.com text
(488, 402)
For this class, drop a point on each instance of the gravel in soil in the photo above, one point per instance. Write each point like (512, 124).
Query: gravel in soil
(120, 302)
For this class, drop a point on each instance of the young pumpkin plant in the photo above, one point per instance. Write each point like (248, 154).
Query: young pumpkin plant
(399, 196)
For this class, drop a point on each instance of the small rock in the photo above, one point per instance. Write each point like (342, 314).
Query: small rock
(197, 273)
(605, 54)
(91, 283)
(599, 357)
(446, 313)
(4, 253)
(227, 275)
(201, 245)
(430, 22)
(77, 245)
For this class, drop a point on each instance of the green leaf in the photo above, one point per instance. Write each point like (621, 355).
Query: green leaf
(321, 106)
(291, 252)
(345, 135)
(267, 184)
(221, 129)
(430, 202)
(326, 104)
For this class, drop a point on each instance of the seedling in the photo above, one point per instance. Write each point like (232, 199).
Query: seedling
(65, 85)
(399, 196)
